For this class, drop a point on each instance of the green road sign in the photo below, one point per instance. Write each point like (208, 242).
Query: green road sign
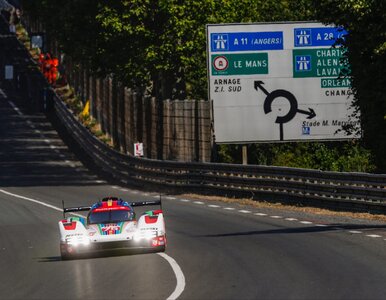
(239, 64)
(335, 83)
(318, 62)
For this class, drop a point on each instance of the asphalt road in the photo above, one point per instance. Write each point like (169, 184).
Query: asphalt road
(224, 251)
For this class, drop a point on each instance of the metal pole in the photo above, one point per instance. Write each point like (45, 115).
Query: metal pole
(245, 154)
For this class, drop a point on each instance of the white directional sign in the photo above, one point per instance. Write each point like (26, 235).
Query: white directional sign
(278, 82)
(138, 149)
(37, 41)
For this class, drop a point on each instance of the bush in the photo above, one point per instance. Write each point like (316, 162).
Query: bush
(328, 156)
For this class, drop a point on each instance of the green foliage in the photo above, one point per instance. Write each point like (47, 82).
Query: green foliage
(329, 156)
(156, 44)
(161, 45)
(365, 21)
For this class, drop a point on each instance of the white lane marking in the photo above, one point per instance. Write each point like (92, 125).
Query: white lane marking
(198, 202)
(184, 200)
(260, 214)
(291, 219)
(213, 205)
(33, 127)
(32, 200)
(2, 94)
(180, 286)
(276, 217)
(115, 187)
(134, 192)
(179, 276)
(15, 108)
(98, 181)
(355, 231)
(373, 235)
(229, 208)
(305, 222)
(145, 194)
(38, 202)
(124, 190)
(321, 225)
(243, 211)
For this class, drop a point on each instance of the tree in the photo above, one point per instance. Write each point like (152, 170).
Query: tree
(160, 45)
(365, 21)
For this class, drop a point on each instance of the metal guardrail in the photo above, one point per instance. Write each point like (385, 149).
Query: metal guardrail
(337, 190)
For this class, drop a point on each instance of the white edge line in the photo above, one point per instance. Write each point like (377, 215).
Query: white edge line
(374, 235)
(15, 108)
(32, 200)
(179, 276)
(305, 222)
(176, 268)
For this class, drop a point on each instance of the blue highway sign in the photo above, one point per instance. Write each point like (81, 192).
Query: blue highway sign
(317, 37)
(246, 41)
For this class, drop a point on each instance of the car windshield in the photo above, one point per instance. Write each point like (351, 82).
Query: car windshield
(110, 216)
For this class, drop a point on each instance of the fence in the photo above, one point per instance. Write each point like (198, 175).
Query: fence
(352, 191)
(170, 129)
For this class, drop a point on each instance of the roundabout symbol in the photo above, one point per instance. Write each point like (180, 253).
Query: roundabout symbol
(293, 106)
(220, 63)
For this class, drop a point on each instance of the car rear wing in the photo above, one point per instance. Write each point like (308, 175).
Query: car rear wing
(74, 209)
(87, 208)
(145, 203)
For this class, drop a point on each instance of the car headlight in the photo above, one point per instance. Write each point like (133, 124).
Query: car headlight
(144, 235)
(77, 241)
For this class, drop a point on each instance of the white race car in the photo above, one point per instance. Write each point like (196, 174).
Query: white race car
(111, 224)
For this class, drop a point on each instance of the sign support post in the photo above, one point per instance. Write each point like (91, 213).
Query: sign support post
(245, 154)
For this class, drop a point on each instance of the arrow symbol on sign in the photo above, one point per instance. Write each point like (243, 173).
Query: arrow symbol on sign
(311, 113)
(259, 85)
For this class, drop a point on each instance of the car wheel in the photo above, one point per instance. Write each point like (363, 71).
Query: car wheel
(64, 253)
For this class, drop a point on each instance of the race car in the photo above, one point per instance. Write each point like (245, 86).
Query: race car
(111, 224)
